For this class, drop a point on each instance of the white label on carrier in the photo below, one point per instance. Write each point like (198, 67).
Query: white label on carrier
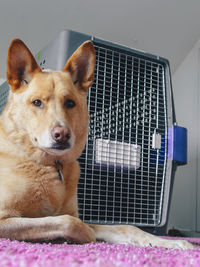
(117, 153)
(156, 141)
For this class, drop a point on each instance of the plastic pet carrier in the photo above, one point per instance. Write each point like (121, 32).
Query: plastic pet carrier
(133, 147)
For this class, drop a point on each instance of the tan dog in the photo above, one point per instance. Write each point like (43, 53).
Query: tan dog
(43, 130)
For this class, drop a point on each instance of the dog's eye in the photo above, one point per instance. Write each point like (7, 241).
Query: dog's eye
(69, 103)
(38, 103)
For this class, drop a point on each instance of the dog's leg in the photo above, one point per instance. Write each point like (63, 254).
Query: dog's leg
(46, 228)
(127, 234)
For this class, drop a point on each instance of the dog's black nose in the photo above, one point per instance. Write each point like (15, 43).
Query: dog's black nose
(61, 134)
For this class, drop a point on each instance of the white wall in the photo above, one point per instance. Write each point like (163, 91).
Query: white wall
(183, 212)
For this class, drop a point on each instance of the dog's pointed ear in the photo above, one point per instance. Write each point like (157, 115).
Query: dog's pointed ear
(21, 64)
(81, 65)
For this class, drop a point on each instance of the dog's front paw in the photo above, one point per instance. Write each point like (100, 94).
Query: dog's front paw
(74, 229)
(176, 244)
(182, 244)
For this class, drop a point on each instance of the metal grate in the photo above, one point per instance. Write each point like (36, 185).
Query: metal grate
(124, 161)
(4, 91)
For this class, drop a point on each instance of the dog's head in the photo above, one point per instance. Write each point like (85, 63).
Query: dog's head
(51, 106)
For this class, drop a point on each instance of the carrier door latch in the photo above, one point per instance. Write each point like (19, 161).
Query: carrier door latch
(177, 144)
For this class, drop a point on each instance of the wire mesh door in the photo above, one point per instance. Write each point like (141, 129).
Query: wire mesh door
(124, 161)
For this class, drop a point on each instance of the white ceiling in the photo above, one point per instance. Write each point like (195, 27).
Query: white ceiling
(168, 28)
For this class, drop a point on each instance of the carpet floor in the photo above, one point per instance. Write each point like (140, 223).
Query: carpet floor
(21, 254)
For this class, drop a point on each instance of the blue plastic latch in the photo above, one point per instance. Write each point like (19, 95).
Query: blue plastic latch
(177, 144)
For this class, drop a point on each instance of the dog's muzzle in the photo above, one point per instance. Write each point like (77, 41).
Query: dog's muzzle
(61, 136)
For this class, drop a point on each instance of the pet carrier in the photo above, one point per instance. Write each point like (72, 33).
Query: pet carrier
(133, 146)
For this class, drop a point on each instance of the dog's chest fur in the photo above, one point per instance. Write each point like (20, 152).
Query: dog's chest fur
(47, 193)
(34, 192)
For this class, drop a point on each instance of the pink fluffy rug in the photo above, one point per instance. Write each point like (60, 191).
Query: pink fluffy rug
(21, 254)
